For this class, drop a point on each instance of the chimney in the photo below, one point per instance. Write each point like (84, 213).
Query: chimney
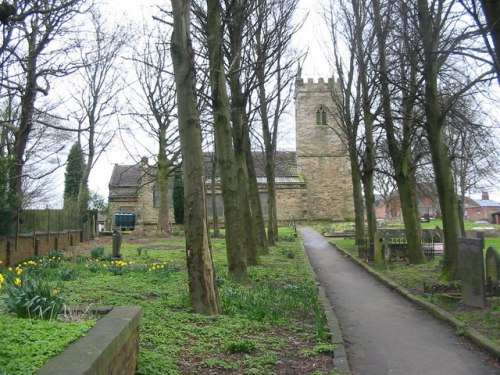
(485, 196)
(144, 161)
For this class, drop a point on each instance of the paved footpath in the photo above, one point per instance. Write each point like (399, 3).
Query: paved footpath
(383, 332)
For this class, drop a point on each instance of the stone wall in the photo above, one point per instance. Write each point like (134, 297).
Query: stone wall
(111, 347)
(322, 160)
(290, 202)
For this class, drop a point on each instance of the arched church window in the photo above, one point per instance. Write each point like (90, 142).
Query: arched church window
(321, 116)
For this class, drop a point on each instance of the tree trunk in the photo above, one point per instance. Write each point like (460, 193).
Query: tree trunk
(491, 10)
(237, 20)
(357, 197)
(367, 177)
(163, 225)
(434, 126)
(447, 200)
(225, 152)
(399, 151)
(25, 124)
(203, 291)
(215, 215)
(272, 224)
(261, 239)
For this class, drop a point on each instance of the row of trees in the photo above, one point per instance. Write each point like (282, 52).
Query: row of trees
(228, 80)
(248, 61)
(412, 74)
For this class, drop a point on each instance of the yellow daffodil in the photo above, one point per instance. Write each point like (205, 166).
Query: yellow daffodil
(17, 281)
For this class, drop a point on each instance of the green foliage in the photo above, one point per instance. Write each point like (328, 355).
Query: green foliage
(97, 252)
(287, 307)
(289, 253)
(287, 238)
(321, 348)
(178, 198)
(22, 339)
(97, 202)
(67, 274)
(32, 298)
(243, 346)
(74, 174)
(94, 267)
(270, 302)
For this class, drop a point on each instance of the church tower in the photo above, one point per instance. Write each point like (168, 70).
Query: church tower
(322, 160)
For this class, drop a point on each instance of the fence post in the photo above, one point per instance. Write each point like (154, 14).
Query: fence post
(16, 241)
(9, 253)
(48, 226)
(34, 232)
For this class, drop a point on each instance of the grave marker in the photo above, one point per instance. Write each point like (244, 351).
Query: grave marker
(472, 272)
(492, 266)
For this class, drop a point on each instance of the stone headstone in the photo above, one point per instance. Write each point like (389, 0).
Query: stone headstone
(492, 266)
(471, 264)
(427, 236)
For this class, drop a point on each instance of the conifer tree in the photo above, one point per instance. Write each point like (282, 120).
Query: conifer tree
(73, 175)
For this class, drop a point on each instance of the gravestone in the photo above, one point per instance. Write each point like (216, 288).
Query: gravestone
(470, 253)
(492, 266)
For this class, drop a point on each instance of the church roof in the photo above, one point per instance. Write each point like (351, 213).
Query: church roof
(285, 169)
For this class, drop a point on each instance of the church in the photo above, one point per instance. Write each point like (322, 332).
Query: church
(313, 183)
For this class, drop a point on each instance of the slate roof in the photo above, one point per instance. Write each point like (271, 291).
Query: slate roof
(125, 176)
(487, 203)
(285, 164)
(285, 169)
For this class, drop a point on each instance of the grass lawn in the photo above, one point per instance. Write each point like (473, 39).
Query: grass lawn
(274, 325)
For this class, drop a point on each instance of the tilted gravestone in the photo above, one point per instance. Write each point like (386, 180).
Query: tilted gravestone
(471, 264)
(492, 266)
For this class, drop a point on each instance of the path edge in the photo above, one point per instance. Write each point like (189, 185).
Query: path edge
(470, 333)
(340, 362)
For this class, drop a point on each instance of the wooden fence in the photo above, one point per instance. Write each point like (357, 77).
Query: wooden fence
(62, 229)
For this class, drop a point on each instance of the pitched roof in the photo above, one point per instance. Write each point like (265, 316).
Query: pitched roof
(285, 168)
(487, 203)
(285, 164)
(125, 176)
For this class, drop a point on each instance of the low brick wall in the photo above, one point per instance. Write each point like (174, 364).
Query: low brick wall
(109, 348)
(38, 244)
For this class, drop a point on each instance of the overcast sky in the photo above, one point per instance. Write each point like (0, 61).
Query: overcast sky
(315, 66)
(312, 37)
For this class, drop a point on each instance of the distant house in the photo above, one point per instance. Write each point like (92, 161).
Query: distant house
(480, 209)
(390, 208)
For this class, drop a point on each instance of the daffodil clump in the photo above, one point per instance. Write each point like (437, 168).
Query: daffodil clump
(156, 267)
(27, 296)
(119, 267)
(162, 269)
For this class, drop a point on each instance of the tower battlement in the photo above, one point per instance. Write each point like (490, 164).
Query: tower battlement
(312, 81)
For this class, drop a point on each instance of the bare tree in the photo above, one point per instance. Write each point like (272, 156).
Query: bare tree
(33, 53)
(202, 287)
(155, 114)
(97, 97)
(399, 124)
(273, 62)
(353, 97)
(224, 147)
(446, 45)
